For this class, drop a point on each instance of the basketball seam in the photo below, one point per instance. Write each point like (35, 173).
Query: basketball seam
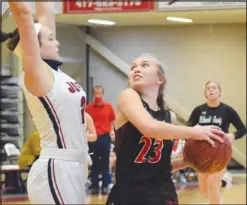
(194, 162)
(201, 151)
(216, 154)
(212, 158)
(225, 153)
(227, 146)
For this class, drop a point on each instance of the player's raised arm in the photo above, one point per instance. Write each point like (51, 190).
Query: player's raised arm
(130, 105)
(45, 15)
(38, 79)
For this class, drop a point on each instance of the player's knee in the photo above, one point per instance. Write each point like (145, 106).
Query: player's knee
(214, 181)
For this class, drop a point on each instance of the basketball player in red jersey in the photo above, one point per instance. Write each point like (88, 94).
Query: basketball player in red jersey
(144, 139)
(214, 112)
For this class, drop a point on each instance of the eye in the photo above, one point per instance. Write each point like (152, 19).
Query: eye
(145, 65)
(132, 67)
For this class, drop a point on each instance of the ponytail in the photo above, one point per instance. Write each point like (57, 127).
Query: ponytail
(12, 37)
(5, 36)
(160, 99)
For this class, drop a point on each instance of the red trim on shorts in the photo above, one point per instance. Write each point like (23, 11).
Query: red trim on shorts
(54, 178)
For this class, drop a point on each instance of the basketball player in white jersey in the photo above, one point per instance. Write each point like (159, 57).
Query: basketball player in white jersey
(56, 103)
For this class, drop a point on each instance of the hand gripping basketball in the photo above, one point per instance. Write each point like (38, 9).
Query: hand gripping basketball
(208, 133)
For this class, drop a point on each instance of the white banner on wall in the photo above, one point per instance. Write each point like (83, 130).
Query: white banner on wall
(178, 5)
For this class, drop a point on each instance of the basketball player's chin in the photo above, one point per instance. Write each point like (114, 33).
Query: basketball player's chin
(57, 58)
(137, 85)
(212, 98)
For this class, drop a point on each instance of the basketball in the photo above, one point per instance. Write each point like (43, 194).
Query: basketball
(204, 158)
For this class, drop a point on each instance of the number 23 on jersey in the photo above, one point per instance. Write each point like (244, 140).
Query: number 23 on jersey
(158, 143)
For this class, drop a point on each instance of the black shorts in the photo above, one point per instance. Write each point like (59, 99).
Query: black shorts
(120, 195)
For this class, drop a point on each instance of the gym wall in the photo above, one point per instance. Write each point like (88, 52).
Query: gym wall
(109, 77)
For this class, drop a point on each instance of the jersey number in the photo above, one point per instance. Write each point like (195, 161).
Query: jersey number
(73, 87)
(141, 158)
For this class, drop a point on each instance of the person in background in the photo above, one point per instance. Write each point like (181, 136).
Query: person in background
(30, 151)
(103, 116)
(215, 112)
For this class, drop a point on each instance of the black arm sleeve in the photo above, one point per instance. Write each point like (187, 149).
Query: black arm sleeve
(237, 123)
(194, 117)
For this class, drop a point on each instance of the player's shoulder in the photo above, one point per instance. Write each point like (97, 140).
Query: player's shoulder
(107, 104)
(89, 105)
(227, 107)
(200, 107)
(64, 75)
(128, 93)
(222, 104)
(173, 116)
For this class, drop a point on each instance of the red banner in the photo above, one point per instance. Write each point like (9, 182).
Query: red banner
(92, 6)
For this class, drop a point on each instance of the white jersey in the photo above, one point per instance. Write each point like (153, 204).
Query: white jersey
(59, 116)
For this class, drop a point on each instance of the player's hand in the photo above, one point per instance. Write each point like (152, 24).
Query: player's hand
(17, 7)
(230, 136)
(208, 133)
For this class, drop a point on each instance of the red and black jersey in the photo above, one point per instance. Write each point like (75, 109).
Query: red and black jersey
(142, 160)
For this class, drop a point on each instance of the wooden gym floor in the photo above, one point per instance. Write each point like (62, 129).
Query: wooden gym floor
(188, 194)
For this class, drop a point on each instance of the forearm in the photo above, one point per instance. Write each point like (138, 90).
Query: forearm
(29, 45)
(178, 164)
(45, 16)
(19, 8)
(237, 123)
(168, 131)
(239, 133)
(91, 137)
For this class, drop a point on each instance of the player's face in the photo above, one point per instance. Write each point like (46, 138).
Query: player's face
(212, 91)
(49, 45)
(144, 73)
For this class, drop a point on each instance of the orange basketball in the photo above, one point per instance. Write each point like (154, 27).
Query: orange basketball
(204, 158)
